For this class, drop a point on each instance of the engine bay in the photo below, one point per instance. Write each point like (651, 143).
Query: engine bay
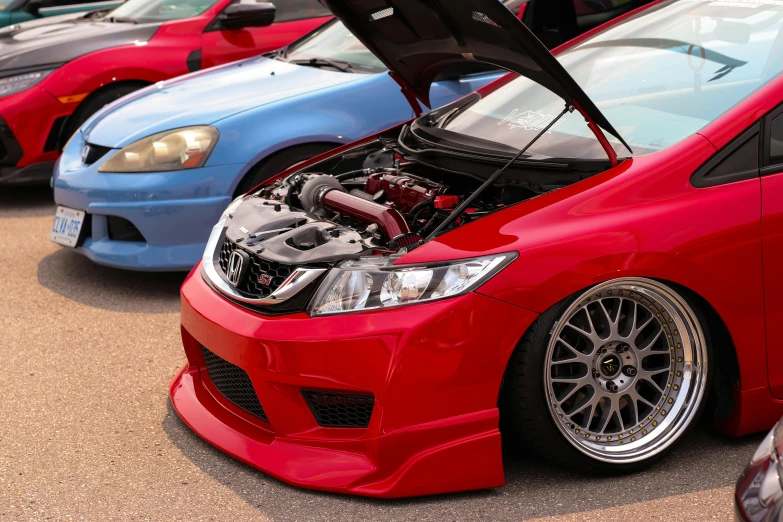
(380, 198)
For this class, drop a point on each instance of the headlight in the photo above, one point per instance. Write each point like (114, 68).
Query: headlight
(375, 283)
(179, 149)
(20, 82)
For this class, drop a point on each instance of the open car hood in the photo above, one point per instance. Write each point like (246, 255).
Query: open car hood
(419, 39)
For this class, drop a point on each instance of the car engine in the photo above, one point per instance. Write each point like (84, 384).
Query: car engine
(314, 217)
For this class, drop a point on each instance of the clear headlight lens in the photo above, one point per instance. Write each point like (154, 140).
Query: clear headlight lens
(178, 149)
(375, 283)
(20, 82)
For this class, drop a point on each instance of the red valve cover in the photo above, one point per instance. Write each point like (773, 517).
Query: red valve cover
(403, 191)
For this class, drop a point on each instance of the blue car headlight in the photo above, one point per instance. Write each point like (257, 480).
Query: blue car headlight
(177, 149)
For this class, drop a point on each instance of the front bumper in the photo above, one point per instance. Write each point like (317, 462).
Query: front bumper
(31, 127)
(173, 212)
(434, 370)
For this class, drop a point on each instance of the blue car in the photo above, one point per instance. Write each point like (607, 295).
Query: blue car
(142, 182)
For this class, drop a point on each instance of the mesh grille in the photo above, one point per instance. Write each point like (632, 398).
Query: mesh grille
(93, 153)
(258, 267)
(233, 383)
(338, 410)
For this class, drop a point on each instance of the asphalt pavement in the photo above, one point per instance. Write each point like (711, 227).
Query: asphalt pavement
(87, 431)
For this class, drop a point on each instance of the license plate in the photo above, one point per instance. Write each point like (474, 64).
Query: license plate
(67, 225)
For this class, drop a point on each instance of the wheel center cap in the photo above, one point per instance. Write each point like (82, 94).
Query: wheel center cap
(610, 365)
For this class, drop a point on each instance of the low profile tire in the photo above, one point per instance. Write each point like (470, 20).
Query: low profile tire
(278, 162)
(95, 103)
(608, 380)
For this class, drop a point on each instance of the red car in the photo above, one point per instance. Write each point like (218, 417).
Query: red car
(586, 251)
(56, 72)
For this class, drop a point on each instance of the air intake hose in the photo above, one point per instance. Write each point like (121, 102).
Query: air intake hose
(323, 192)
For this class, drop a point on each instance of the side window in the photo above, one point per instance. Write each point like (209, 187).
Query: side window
(288, 10)
(738, 161)
(776, 141)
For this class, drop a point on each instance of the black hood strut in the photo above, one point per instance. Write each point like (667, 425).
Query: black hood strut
(494, 178)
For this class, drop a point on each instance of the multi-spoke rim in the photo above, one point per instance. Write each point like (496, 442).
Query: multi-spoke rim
(625, 370)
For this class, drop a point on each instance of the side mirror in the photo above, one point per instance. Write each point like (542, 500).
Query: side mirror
(247, 14)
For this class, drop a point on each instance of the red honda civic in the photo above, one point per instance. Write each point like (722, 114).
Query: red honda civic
(586, 250)
(56, 72)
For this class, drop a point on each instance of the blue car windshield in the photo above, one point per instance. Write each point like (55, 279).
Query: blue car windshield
(144, 11)
(333, 42)
(659, 77)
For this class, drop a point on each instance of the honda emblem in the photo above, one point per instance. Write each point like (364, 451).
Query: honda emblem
(237, 266)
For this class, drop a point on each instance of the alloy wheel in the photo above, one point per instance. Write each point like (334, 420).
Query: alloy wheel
(625, 370)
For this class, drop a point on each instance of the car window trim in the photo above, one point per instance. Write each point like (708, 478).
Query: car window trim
(767, 167)
(700, 179)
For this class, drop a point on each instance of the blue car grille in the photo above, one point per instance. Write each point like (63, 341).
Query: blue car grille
(258, 266)
(93, 153)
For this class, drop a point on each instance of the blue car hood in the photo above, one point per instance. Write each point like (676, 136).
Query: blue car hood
(206, 97)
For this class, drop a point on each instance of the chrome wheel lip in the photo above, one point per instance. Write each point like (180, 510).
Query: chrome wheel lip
(694, 372)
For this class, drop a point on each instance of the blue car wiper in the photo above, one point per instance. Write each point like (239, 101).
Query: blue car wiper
(323, 62)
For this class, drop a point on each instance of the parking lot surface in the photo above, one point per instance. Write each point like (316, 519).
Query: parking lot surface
(87, 432)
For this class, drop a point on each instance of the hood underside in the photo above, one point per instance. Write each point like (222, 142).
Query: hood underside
(420, 39)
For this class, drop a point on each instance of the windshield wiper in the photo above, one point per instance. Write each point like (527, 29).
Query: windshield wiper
(324, 62)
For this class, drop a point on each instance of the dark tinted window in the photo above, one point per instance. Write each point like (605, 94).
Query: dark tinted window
(776, 141)
(738, 161)
(298, 9)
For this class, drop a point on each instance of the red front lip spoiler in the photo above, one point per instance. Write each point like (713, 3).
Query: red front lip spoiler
(453, 460)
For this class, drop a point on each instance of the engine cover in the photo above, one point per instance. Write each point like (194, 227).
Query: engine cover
(276, 232)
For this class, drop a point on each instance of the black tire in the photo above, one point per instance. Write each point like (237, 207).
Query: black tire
(96, 102)
(525, 409)
(278, 162)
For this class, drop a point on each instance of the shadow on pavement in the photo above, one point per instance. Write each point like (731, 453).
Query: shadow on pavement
(77, 278)
(534, 489)
(17, 202)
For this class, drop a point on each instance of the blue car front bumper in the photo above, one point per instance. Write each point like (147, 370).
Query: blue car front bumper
(164, 218)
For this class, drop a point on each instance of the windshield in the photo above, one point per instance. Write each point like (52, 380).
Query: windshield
(658, 77)
(335, 43)
(144, 11)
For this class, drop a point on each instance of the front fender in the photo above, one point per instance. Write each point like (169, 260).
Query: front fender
(643, 219)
